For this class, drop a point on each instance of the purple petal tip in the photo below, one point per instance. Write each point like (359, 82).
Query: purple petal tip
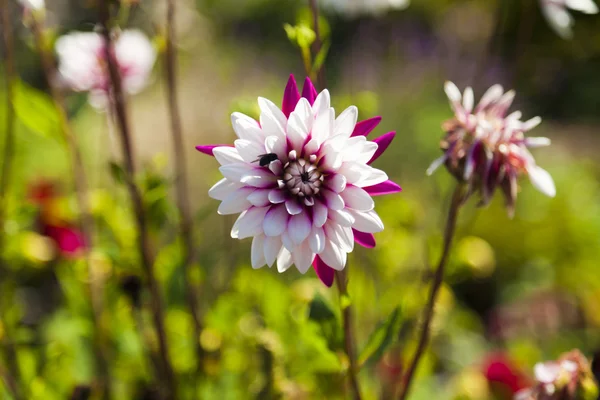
(387, 187)
(364, 239)
(383, 142)
(324, 272)
(308, 91)
(291, 96)
(363, 128)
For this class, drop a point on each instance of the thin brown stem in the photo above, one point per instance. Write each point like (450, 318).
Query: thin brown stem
(181, 180)
(341, 278)
(12, 376)
(118, 106)
(85, 221)
(314, 7)
(457, 200)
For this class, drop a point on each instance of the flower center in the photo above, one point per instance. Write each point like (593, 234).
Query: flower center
(302, 178)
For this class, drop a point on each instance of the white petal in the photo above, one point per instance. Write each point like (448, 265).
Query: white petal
(362, 175)
(340, 236)
(235, 172)
(333, 200)
(341, 217)
(367, 152)
(226, 155)
(284, 260)
(490, 96)
(293, 207)
(559, 19)
(585, 6)
(250, 151)
(345, 123)
(336, 182)
(322, 103)
(368, 222)
(452, 92)
(259, 177)
(546, 372)
(236, 202)
(534, 142)
(532, 123)
(251, 222)
(357, 198)
(333, 256)
(541, 180)
(259, 197)
(257, 254)
(468, 100)
(245, 127)
(297, 127)
(272, 119)
(275, 221)
(303, 257)
(299, 227)
(319, 214)
(222, 189)
(287, 241)
(277, 196)
(272, 247)
(316, 240)
(277, 145)
(436, 164)
(323, 126)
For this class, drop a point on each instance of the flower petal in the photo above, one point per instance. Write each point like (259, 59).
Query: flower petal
(272, 119)
(222, 189)
(383, 142)
(345, 123)
(236, 202)
(272, 247)
(357, 198)
(299, 227)
(541, 179)
(324, 272)
(363, 128)
(250, 223)
(308, 91)
(284, 260)
(364, 239)
(257, 254)
(334, 256)
(316, 240)
(208, 148)
(293, 207)
(368, 222)
(259, 197)
(275, 222)
(303, 257)
(290, 96)
(319, 214)
(333, 200)
(227, 155)
(387, 187)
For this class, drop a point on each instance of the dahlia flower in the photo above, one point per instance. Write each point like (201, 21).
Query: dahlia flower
(302, 181)
(557, 14)
(487, 149)
(82, 64)
(360, 7)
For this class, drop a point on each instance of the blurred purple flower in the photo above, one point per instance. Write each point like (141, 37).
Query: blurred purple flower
(82, 63)
(486, 148)
(302, 180)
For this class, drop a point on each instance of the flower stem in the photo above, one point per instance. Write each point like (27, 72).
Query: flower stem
(181, 180)
(317, 44)
(81, 190)
(12, 376)
(117, 103)
(457, 200)
(341, 278)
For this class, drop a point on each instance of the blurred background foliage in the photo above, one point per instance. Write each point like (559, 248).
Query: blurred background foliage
(525, 289)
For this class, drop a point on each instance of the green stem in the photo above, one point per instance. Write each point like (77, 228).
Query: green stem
(428, 313)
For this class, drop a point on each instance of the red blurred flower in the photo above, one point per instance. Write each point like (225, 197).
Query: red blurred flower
(504, 376)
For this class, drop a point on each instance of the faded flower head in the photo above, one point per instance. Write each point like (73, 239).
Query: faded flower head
(558, 16)
(83, 68)
(360, 7)
(302, 181)
(568, 378)
(487, 148)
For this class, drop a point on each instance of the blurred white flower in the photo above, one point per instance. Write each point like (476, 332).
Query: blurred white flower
(33, 5)
(558, 16)
(82, 64)
(353, 8)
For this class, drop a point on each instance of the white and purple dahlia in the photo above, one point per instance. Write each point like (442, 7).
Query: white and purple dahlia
(302, 180)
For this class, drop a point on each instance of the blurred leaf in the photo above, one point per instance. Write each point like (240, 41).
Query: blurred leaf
(301, 35)
(321, 56)
(320, 310)
(35, 109)
(384, 335)
(117, 172)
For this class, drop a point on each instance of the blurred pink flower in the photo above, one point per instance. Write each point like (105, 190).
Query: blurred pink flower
(302, 180)
(486, 148)
(82, 63)
(558, 17)
(504, 375)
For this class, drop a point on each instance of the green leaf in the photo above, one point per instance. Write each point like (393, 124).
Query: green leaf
(382, 337)
(301, 35)
(320, 310)
(117, 172)
(35, 109)
(320, 57)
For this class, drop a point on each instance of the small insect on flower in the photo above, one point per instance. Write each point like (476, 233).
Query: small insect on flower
(265, 159)
(487, 149)
(309, 198)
